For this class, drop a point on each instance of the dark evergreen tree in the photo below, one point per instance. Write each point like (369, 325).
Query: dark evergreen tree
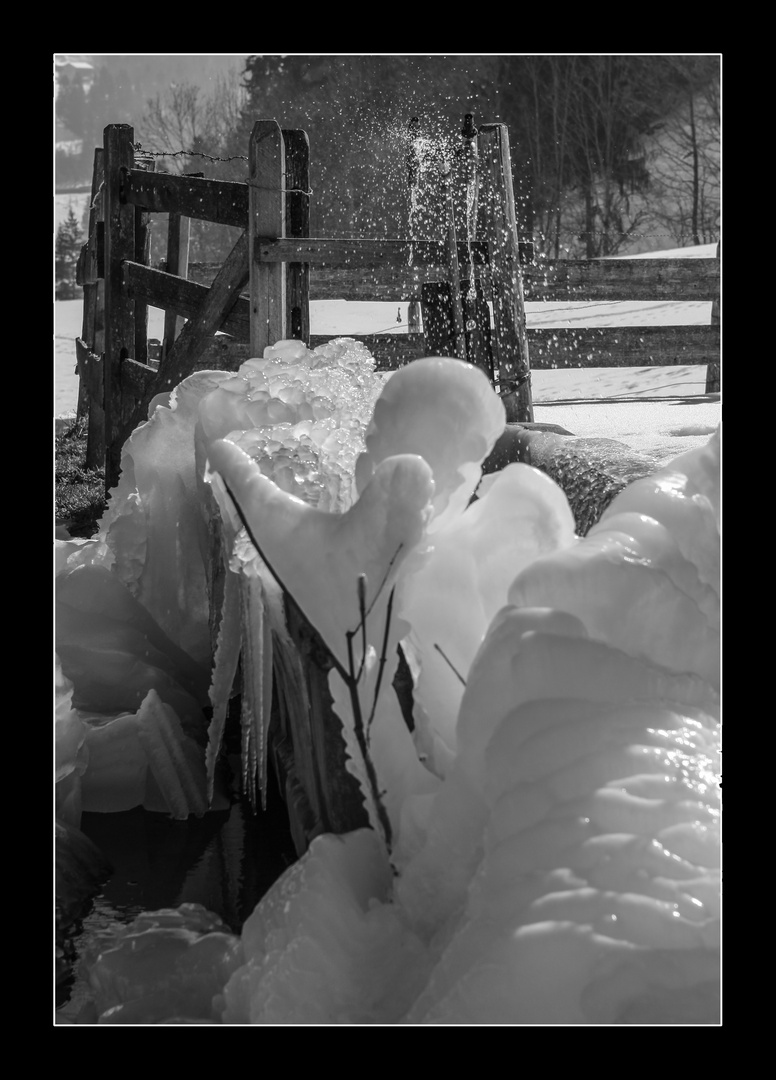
(67, 249)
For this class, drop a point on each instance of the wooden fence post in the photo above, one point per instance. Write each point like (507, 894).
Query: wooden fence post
(90, 276)
(143, 250)
(297, 185)
(713, 378)
(266, 218)
(142, 254)
(177, 262)
(91, 345)
(497, 209)
(119, 309)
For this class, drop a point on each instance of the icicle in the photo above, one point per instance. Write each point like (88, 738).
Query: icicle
(224, 670)
(257, 687)
(174, 761)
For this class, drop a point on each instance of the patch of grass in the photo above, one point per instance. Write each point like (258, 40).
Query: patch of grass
(79, 492)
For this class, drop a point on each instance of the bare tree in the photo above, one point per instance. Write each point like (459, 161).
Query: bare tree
(183, 118)
(196, 132)
(684, 197)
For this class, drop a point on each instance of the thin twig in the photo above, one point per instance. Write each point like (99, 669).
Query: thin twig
(383, 655)
(449, 663)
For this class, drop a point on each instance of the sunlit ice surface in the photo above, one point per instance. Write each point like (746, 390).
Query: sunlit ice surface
(553, 846)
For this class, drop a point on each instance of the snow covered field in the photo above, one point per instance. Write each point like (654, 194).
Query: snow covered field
(667, 411)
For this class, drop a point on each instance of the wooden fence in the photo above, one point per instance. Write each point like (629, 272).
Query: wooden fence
(261, 292)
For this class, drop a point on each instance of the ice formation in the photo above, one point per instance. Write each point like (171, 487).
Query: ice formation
(143, 608)
(556, 861)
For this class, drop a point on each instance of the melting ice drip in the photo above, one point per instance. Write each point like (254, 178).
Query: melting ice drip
(556, 858)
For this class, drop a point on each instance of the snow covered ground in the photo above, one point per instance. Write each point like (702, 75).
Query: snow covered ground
(667, 411)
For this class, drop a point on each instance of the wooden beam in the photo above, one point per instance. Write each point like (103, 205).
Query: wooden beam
(713, 377)
(182, 299)
(368, 253)
(222, 201)
(623, 279)
(142, 255)
(88, 266)
(118, 143)
(221, 297)
(176, 263)
(623, 346)
(90, 368)
(499, 223)
(266, 217)
(193, 339)
(297, 148)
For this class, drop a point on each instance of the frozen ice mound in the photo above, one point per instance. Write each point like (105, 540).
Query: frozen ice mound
(324, 946)
(562, 866)
(167, 966)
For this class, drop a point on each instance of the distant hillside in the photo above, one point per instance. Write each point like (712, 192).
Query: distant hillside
(151, 74)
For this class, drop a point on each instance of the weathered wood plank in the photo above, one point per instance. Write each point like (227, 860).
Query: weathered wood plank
(497, 220)
(297, 147)
(195, 335)
(713, 371)
(142, 254)
(623, 279)
(379, 283)
(595, 280)
(222, 201)
(266, 217)
(118, 143)
(176, 263)
(90, 371)
(93, 294)
(368, 252)
(223, 354)
(623, 346)
(182, 299)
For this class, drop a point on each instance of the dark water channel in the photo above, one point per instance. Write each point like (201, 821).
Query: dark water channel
(225, 861)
